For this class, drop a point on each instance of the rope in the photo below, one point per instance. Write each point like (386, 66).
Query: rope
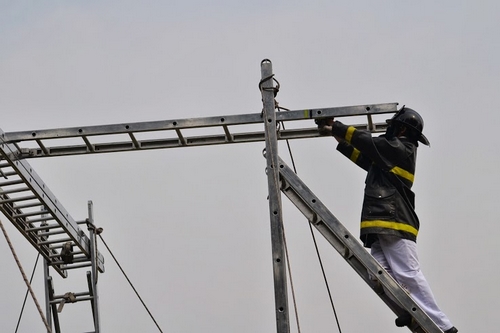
(25, 279)
(273, 89)
(27, 292)
(314, 239)
(126, 277)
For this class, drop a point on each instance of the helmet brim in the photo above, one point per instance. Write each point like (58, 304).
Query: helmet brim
(424, 140)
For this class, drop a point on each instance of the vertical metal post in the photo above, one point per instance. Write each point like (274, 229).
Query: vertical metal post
(48, 312)
(93, 275)
(46, 277)
(277, 235)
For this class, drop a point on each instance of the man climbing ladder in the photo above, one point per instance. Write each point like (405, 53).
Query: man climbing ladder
(389, 225)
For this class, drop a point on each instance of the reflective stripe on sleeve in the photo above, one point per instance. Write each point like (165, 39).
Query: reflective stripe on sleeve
(403, 173)
(389, 225)
(349, 133)
(355, 155)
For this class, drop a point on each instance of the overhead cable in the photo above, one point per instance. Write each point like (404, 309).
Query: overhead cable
(131, 285)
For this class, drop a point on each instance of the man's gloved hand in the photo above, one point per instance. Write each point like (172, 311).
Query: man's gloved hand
(324, 126)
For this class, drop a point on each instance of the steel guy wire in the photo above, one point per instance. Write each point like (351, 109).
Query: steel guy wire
(130, 283)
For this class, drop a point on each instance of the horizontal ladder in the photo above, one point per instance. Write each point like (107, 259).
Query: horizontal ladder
(34, 210)
(183, 132)
(352, 251)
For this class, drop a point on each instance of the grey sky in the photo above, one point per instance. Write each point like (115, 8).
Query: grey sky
(191, 226)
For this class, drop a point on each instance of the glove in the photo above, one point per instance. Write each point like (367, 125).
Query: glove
(324, 126)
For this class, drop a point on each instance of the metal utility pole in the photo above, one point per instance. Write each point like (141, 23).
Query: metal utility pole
(277, 235)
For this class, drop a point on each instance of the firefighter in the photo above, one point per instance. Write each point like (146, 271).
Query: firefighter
(389, 224)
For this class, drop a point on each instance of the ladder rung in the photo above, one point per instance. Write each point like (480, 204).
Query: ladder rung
(12, 182)
(28, 214)
(43, 227)
(55, 241)
(58, 246)
(8, 173)
(41, 219)
(51, 233)
(29, 205)
(61, 297)
(31, 197)
(56, 254)
(229, 136)
(78, 299)
(15, 190)
(79, 259)
(71, 266)
(42, 146)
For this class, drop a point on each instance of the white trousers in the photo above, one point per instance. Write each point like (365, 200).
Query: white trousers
(399, 257)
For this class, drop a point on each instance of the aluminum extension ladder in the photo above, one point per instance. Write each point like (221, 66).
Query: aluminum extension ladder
(40, 217)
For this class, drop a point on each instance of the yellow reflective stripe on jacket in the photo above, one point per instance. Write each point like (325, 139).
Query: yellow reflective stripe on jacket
(403, 173)
(389, 225)
(349, 133)
(355, 155)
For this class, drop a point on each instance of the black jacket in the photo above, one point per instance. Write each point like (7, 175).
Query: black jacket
(388, 206)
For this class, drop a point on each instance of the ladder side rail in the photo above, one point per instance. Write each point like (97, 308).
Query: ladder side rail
(46, 197)
(352, 251)
(47, 285)
(53, 307)
(337, 112)
(92, 277)
(275, 208)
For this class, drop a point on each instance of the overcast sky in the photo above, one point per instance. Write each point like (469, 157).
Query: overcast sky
(191, 226)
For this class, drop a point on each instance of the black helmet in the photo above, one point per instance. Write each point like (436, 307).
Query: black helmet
(411, 119)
